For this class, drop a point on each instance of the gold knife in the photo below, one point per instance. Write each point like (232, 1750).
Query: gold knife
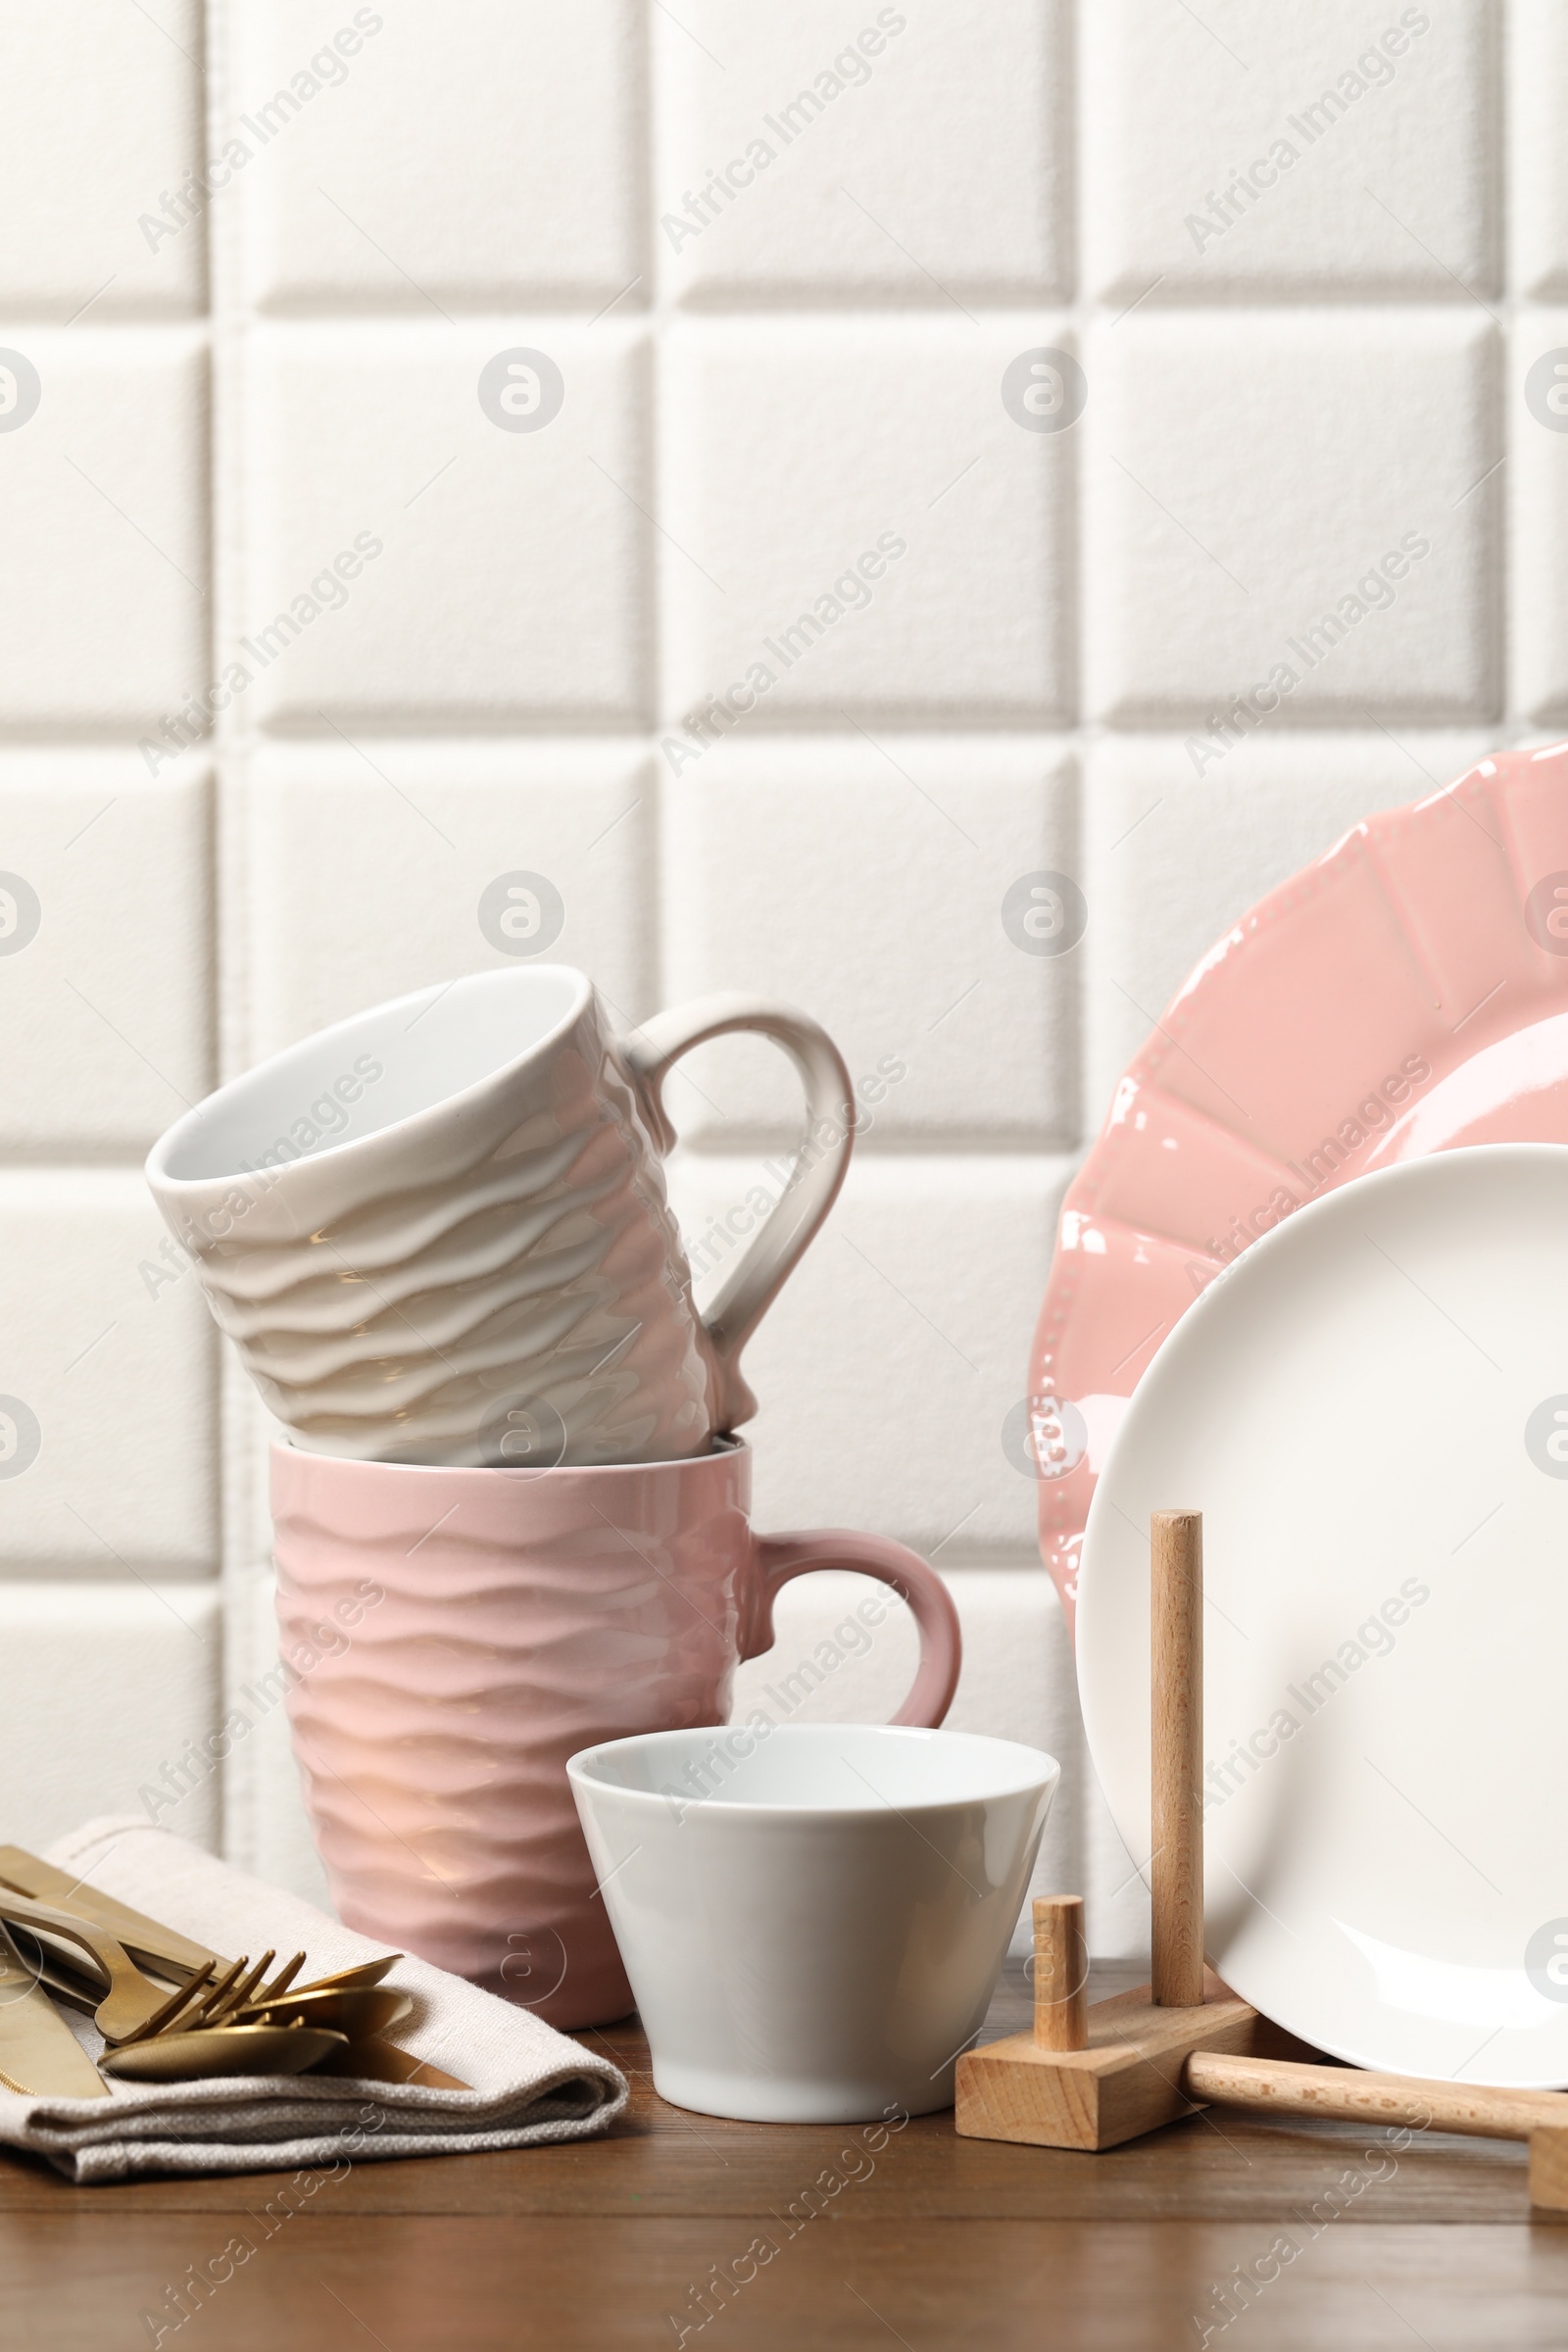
(377, 2060)
(146, 1939)
(39, 2055)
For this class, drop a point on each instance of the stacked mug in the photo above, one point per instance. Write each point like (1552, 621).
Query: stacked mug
(438, 1236)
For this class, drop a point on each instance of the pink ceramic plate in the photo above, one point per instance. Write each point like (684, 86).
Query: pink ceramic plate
(1406, 993)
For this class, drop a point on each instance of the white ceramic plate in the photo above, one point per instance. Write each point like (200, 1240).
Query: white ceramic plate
(1370, 1408)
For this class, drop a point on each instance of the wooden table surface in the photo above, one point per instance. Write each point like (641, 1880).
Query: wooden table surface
(927, 2241)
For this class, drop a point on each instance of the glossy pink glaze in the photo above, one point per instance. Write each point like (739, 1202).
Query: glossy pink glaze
(1406, 993)
(523, 1615)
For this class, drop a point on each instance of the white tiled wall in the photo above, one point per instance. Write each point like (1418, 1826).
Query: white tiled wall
(781, 396)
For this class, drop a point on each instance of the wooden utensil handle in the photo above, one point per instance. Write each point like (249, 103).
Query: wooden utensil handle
(1410, 2100)
(1176, 1757)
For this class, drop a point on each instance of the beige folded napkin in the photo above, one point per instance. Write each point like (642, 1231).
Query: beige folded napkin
(530, 2083)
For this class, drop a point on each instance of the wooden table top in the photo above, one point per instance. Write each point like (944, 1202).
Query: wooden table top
(1271, 2238)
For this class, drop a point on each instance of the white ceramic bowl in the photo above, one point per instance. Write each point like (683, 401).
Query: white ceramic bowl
(812, 1916)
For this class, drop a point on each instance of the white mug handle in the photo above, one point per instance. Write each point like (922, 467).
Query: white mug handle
(814, 1179)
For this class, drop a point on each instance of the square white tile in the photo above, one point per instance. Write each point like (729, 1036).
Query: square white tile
(1246, 151)
(111, 1707)
(248, 1433)
(108, 1422)
(1538, 435)
(1537, 170)
(856, 526)
(481, 156)
(410, 558)
(104, 610)
(895, 155)
(371, 873)
(103, 170)
(1300, 507)
(781, 878)
(889, 1362)
(1174, 858)
(265, 1826)
(105, 950)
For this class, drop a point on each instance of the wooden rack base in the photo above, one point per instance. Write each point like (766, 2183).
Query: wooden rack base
(1126, 2079)
(1093, 2078)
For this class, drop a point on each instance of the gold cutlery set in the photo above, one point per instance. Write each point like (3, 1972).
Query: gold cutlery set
(170, 2010)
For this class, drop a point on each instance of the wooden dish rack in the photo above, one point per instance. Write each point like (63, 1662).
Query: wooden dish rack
(1089, 2078)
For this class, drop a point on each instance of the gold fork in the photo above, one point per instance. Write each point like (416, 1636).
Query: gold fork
(202, 2004)
(131, 2002)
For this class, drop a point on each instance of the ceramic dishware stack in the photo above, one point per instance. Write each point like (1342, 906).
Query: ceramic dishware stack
(518, 1617)
(511, 1511)
(1404, 994)
(1311, 1278)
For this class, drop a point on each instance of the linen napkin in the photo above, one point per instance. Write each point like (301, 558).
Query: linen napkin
(530, 2083)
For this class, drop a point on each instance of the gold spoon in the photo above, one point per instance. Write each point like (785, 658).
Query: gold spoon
(353, 2010)
(222, 2050)
(365, 1972)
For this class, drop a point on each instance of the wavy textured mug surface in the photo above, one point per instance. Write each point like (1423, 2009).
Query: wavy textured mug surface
(439, 1232)
(548, 1267)
(454, 1634)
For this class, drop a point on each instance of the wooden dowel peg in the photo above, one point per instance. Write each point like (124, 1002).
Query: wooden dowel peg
(1176, 1744)
(1480, 2109)
(1062, 1972)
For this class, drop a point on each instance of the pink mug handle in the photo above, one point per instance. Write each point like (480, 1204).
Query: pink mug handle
(781, 1557)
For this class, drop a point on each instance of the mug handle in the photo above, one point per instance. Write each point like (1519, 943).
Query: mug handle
(781, 1557)
(814, 1179)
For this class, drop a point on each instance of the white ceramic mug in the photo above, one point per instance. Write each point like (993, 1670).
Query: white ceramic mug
(438, 1232)
(812, 1916)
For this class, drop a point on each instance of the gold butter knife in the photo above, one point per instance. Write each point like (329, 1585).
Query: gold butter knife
(39, 2055)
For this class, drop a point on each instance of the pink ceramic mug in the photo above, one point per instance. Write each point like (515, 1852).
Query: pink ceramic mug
(454, 1634)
